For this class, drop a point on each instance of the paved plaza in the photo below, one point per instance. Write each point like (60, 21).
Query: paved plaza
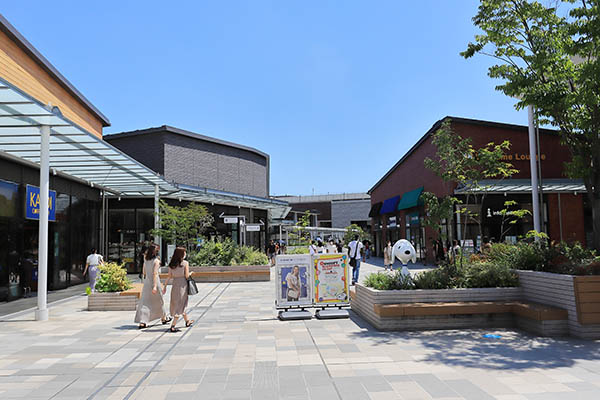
(237, 349)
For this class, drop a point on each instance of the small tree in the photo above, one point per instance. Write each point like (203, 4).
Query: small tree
(458, 162)
(438, 210)
(510, 217)
(300, 236)
(352, 230)
(183, 225)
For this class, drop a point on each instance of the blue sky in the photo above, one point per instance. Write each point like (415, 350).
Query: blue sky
(335, 91)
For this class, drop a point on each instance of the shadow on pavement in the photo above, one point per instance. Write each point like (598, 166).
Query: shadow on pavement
(468, 348)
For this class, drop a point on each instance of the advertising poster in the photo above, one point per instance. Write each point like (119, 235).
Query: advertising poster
(293, 283)
(331, 279)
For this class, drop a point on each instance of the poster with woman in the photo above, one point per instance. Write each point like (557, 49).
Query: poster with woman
(293, 280)
(330, 272)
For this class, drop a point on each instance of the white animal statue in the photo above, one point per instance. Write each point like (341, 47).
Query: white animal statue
(404, 251)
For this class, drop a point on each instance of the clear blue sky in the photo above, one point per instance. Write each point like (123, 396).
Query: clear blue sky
(335, 91)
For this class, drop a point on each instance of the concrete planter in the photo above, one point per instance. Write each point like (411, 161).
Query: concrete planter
(365, 298)
(232, 273)
(579, 295)
(112, 302)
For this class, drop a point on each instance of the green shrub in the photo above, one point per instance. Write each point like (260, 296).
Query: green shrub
(113, 278)
(485, 275)
(384, 281)
(298, 250)
(226, 252)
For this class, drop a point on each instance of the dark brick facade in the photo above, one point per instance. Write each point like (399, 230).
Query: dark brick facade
(196, 160)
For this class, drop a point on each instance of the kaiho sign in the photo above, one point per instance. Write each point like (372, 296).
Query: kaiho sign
(32, 203)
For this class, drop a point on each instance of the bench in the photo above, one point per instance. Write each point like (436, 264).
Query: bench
(136, 290)
(538, 318)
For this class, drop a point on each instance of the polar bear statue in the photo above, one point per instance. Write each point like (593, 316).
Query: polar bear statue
(405, 252)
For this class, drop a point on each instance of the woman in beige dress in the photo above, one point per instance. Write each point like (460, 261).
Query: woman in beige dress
(388, 259)
(179, 272)
(151, 305)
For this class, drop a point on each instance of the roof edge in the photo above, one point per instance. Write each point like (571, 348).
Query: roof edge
(459, 120)
(178, 131)
(32, 52)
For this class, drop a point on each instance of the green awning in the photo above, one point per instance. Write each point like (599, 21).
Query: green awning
(410, 199)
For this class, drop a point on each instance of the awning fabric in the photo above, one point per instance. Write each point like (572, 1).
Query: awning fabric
(523, 186)
(410, 199)
(389, 205)
(87, 158)
(375, 208)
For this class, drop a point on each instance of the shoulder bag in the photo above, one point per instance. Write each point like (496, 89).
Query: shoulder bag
(353, 259)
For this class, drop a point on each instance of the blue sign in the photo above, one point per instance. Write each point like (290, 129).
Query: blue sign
(32, 203)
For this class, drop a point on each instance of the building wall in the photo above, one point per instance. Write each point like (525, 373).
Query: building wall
(571, 207)
(323, 207)
(149, 149)
(20, 70)
(343, 212)
(201, 163)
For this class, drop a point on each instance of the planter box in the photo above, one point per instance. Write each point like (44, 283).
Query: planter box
(579, 295)
(233, 273)
(112, 302)
(364, 299)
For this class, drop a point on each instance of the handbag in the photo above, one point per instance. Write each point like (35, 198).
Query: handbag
(293, 293)
(192, 288)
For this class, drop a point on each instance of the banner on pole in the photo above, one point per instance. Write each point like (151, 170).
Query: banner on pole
(294, 280)
(330, 277)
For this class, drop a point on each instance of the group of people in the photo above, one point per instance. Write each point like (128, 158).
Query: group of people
(152, 306)
(273, 249)
(318, 247)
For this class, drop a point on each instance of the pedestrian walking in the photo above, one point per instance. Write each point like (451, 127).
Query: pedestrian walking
(271, 252)
(151, 305)
(354, 250)
(312, 249)
(179, 273)
(388, 261)
(93, 261)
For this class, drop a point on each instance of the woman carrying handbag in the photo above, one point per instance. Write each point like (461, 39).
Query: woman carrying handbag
(179, 272)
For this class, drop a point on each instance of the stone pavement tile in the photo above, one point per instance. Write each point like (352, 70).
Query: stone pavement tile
(323, 392)
(410, 390)
(468, 389)
(584, 387)
(264, 394)
(376, 384)
(352, 391)
(432, 385)
(511, 397)
(316, 378)
(384, 395)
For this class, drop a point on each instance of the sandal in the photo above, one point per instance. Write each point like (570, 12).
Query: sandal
(174, 329)
(189, 323)
(142, 326)
(166, 321)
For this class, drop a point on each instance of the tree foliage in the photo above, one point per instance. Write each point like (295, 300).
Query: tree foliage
(547, 56)
(352, 230)
(183, 225)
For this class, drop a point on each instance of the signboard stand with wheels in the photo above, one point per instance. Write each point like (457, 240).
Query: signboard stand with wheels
(294, 286)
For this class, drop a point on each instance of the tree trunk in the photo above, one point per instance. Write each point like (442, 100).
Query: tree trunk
(592, 186)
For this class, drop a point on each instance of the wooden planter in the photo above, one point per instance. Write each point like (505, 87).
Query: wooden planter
(364, 301)
(112, 302)
(579, 295)
(234, 273)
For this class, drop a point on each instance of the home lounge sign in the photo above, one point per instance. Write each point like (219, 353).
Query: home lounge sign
(521, 157)
(32, 203)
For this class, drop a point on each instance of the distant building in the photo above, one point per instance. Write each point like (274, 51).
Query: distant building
(331, 210)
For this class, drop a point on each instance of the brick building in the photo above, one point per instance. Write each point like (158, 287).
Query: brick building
(397, 212)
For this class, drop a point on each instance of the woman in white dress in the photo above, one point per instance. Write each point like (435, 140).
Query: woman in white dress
(293, 284)
(151, 305)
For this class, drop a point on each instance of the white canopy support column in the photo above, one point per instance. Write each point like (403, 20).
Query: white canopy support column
(41, 313)
(157, 218)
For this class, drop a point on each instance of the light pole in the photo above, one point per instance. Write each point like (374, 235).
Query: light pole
(535, 199)
(41, 314)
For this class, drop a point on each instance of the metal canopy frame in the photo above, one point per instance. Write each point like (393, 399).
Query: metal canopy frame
(79, 154)
(523, 186)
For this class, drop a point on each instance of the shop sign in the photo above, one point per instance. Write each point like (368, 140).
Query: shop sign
(230, 220)
(522, 157)
(391, 222)
(32, 203)
(413, 218)
(253, 228)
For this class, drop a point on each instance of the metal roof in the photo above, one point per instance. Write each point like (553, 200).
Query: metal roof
(83, 156)
(522, 186)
